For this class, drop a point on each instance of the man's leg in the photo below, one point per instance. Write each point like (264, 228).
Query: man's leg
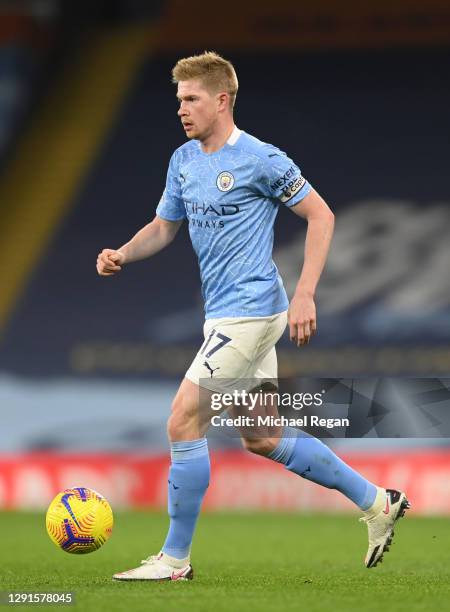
(188, 481)
(189, 470)
(309, 458)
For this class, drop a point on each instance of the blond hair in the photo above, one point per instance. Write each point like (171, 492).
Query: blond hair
(216, 73)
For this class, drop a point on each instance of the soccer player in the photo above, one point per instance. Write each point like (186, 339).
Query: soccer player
(229, 185)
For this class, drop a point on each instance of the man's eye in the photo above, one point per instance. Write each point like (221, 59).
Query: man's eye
(189, 99)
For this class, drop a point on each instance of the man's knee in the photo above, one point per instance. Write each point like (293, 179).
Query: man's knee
(175, 427)
(260, 446)
(181, 420)
(184, 421)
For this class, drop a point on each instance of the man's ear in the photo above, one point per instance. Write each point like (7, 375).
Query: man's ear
(223, 101)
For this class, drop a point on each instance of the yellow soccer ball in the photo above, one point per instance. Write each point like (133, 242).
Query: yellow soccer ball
(79, 520)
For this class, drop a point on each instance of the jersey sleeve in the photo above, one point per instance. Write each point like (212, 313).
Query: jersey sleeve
(281, 179)
(171, 205)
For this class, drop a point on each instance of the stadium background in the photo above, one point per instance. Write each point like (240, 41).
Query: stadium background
(88, 366)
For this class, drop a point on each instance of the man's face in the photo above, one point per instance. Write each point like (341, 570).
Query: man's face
(198, 109)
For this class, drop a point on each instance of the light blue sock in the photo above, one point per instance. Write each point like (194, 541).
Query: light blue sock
(188, 481)
(311, 459)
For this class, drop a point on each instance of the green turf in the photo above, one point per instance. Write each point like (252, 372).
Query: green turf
(241, 562)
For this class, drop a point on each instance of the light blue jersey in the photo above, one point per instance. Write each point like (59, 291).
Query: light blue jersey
(231, 200)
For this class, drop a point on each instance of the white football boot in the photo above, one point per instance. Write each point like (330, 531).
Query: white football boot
(389, 506)
(159, 567)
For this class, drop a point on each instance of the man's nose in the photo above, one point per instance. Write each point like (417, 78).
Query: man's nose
(182, 111)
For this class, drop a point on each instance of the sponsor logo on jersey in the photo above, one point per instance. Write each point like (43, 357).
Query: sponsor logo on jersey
(292, 188)
(206, 223)
(225, 181)
(284, 180)
(220, 210)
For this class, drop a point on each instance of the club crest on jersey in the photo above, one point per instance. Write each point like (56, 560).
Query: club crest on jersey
(225, 181)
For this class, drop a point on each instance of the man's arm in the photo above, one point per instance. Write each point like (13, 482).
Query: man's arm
(152, 238)
(302, 310)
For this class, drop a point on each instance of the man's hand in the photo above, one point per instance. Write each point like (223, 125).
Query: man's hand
(302, 318)
(109, 262)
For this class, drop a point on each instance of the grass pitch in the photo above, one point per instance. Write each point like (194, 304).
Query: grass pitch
(254, 562)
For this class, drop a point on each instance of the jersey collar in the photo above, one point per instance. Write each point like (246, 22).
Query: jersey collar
(234, 136)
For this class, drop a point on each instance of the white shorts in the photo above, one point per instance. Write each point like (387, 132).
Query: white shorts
(236, 349)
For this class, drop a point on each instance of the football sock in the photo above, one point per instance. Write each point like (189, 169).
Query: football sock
(188, 481)
(311, 459)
